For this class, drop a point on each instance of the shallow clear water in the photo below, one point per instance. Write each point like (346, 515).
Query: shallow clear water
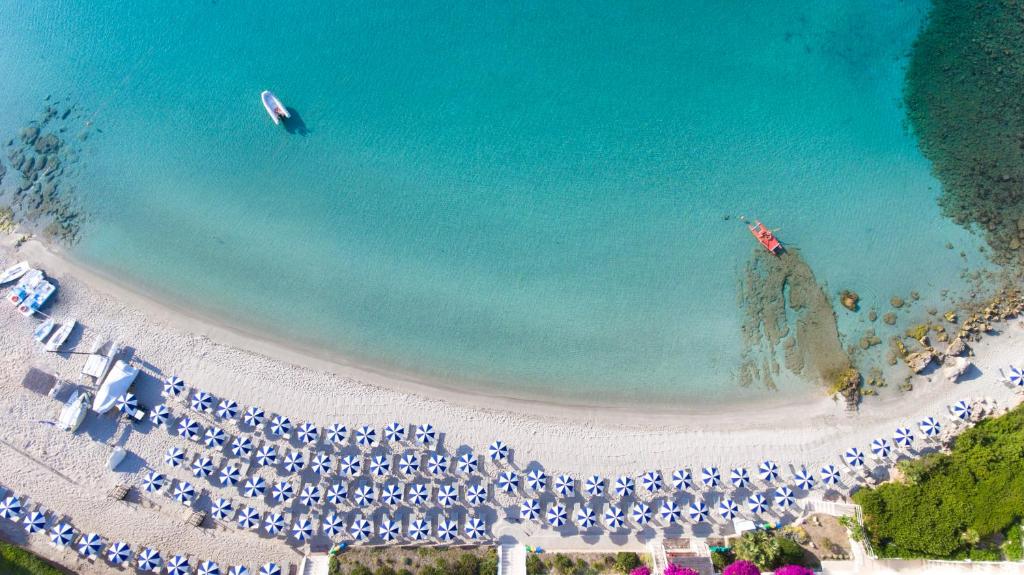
(523, 198)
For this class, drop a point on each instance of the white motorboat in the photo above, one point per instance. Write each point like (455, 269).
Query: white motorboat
(14, 272)
(114, 385)
(43, 330)
(61, 335)
(73, 413)
(274, 106)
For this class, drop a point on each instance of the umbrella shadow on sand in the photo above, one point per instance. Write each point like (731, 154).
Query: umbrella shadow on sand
(295, 124)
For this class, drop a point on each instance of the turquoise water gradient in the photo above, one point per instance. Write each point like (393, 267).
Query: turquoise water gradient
(521, 197)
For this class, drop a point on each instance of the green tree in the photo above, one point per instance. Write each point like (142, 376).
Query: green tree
(626, 561)
(534, 565)
(760, 548)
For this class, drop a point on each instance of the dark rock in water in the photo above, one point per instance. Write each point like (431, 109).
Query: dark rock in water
(47, 144)
(65, 115)
(29, 166)
(52, 163)
(29, 135)
(83, 135)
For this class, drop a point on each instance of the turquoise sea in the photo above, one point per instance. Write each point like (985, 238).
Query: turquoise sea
(520, 197)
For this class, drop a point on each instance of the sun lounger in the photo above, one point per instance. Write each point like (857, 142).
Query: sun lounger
(119, 492)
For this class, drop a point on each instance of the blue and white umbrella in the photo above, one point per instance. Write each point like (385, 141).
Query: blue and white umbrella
(418, 494)
(475, 528)
(556, 515)
(127, 403)
(651, 481)
(239, 570)
(351, 465)
(202, 467)
(62, 535)
(174, 457)
(804, 479)
(681, 479)
(447, 495)
(310, 494)
(90, 545)
(727, 508)
(380, 465)
(508, 481)
(698, 511)
(537, 480)
(184, 492)
(640, 513)
(149, 560)
(255, 487)
(710, 477)
(670, 511)
(903, 437)
(153, 481)
(266, 455)
(34, 522)
(437, 464)
(881, 447)
(447, 529)
(624, 486)
(930, 426)
(395, 432)
(419, 529)
(768, 471)
(270, 569)
(364, 495)
(337, 493)
(830, 474)
(854, 457)
(227, 409)
(173, 387)
(594, 486)
(784, 497)
(497, 451)
(241, 446)
(529, 509)
(221, 508)
(468, 463)
(208, 568)
(1016, 377)
(391, 494)
(202, 401)
(739, 477)
(389, 529)
(280, 425)
(585, 517)
(961, 410)
(282, 491)
(408, 463)
(360, 529)
(294, 461)
(308, 433)
(159, 415)
(564, 485)
(302, 529)
(178, 565)
(248, 518)
(254, 416)
(273, 523)
(10, 508)
(336, 433)
(189, 429)
(333, 525)
(426, 434)
(476, 494)
(757, 503)
(614, 518)
(366, 436)
(322, 463)
(230, 475)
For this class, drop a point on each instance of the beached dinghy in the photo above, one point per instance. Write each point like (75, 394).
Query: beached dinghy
(61, 335)
(115, 384)
(274, 106)
(14, 272)
(73, 412)
(43, 330)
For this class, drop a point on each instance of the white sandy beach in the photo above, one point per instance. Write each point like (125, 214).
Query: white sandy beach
(66, 473)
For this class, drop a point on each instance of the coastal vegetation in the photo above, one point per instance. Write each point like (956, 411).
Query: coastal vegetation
(478, 561)
(17, 561)
(968, 503)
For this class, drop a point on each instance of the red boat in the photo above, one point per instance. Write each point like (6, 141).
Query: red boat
(766, 238)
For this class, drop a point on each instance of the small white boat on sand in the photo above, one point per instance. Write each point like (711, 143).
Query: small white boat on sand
(61, 335)
(43, 330)
(14, 272)
(116, 457)
(114, 385)
(274, 106)
(73, 412)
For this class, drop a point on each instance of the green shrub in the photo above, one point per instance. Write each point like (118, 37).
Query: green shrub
(722, 559)
(359, 569)
(792, 552)
(17, 561)
(333, 566)
(385, 570)
(626, 561)
(534, 565)
(563, 565)
(1013, 548)
(985, 554)
(489, 563)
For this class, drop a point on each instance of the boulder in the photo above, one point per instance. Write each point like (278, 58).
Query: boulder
(849, 299)
(919, 360)
(956, 347)
(954, 367)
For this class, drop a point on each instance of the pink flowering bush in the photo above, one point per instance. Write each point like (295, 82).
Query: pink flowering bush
(641, 570)
(742, 568)
(674, 569)
(793, 570)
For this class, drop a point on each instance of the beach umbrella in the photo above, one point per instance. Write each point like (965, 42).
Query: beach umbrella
(419, 529)
(308, 433)
(739, 477)
(391, 494)
(227, 409)
(508, 481)
(173, 387)
(322, 464)
(475, 528)
(241, 446)
(333, 525)
(681, 479)
(208, 568)
(394, 431)
(184, 492)
(230, 475)
(881, 447)
(961, 409)
(757, 503)
(556, 515)
(302, 529)
(903, 437)
(238, 570)
(270, 569)
(62, 535)
(273, 523)
(537, 480)
(497, 451)
(727, 508)
(215, 437)
(366, 436)
(310, 494)
(476, 494)
(624, 486)
(565, 485)
(389, 529)
(188, 429)
(337, 493)
(127, 403)
(768, 471)
(364, 495)
(426, 434)
(280, 425)
(282, 491)
(90, 545)
(418, 494)
(178, 565)
(669, 511)
(10, 508)
(594, 486)
(34, 522)
(351, 465)
(1016, 377)
(174, 457)
(784, 497)
(930, 426)
(336, 433)
(221, 508)
(586, 517)
(437, 464)
(255, 487)
(408, 463)
(614, 518)
(640, 513)
(467, 463)
(380, 465)
(294, 461)
(447, 529)
(529, 509)
(710, 477)
(266, 455)
(202, 467)
(159, 415)
(361, 529)
(153, 481)
(447, 495)
(149, 560)
(854, 457)
(830, 474)
(202, 401)
(698, 511)
(254, 416)
(248, 518)
(804, 479)
(651, 481)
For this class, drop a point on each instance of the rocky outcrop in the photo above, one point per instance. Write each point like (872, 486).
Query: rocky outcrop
(849, 299)
(954, 367)
(956, 348)
(919, 360)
